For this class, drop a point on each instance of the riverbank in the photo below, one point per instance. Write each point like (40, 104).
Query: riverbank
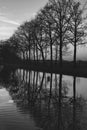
(67, 67)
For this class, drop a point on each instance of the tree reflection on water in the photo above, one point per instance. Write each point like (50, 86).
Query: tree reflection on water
(45, 97)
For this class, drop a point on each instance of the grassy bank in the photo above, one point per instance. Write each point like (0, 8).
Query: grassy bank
(67, 67)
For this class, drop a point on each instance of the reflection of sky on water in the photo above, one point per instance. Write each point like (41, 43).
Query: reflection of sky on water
(81, 83)
(24, 87)
(81, 86)
(4, 96)
(11, 118)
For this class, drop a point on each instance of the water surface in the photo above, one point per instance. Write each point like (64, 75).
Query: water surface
(31, 100)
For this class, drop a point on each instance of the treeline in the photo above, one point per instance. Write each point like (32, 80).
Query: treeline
(48, 36)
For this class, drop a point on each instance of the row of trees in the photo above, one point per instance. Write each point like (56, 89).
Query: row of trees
(56, 26)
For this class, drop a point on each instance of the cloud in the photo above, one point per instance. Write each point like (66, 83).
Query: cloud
(6, 20)
(9, 21)
(7, 26)
(6, 31)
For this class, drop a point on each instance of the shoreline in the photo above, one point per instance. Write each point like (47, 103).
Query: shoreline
(67, 67)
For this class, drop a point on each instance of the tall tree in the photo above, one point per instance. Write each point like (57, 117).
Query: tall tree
(38, 35)
(58, 16)
(77, 28)
(48, 24)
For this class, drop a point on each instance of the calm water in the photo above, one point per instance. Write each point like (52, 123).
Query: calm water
(31, 100)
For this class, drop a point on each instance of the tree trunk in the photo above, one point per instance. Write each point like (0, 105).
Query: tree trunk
(23, 55)
(51, 51)
(29, 54)
(34, 53)
(60, 49)
(60, 56)
(56, 50)
(37, 53)
(42, 53)
(75, 46)
(45, 53)
(75, 55)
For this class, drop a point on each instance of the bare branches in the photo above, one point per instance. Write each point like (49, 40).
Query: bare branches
(59, 23)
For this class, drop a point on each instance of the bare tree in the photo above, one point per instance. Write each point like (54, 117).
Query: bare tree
(48, 24)
(38, 36)
(57, 16)
(77, 28)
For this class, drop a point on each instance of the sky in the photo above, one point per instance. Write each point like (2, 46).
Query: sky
(15, 12)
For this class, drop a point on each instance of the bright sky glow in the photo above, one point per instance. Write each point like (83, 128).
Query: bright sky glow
(15, 12)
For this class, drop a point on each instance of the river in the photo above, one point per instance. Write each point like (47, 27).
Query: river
(31, 100)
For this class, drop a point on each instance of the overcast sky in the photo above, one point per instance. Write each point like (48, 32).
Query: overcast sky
(15, 12)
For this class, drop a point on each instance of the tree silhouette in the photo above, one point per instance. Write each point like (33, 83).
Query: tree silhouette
(77, 28)
(58, 24)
